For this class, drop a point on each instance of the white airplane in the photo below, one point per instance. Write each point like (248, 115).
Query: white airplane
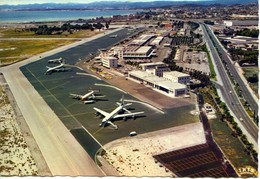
(59, 68)
(59, 60)
(114, 114)
(87, 98)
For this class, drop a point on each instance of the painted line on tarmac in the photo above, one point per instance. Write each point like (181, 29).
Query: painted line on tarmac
(146, 104)
(88, 75)
(98, 130)
(98, 84)
(44, 122)
(72, 117)
(59, 85)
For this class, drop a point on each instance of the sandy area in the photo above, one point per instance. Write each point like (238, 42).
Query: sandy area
(16, 158)
(133, 156)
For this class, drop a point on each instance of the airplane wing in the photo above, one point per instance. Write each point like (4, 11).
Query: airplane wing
(76, 95)
(101, 112)
(129, 114)
(112, 124)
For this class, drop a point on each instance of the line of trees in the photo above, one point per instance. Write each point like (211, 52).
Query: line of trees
(226, 116)
(205, 80)
(45, 30)
(248, 32)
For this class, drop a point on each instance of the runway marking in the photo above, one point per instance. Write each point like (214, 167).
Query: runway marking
(44, 122)
(98, 130)
(59, 85)
(69, 113)
(146, 104)
(72, 104)
(88, 75)
(98, 84)
(78, 114)
(52, 122)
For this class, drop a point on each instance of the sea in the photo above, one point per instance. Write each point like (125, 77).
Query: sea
(59, 15)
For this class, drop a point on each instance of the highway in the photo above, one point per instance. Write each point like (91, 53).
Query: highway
(230, 96)
(245, 92)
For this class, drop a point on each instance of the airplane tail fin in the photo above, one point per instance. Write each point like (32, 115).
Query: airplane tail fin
(123, 100)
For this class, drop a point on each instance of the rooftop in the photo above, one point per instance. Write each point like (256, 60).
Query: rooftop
(152, 64)
(157, 80)
(176, 74)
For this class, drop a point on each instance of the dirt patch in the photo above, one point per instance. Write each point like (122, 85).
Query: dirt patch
(34, 151)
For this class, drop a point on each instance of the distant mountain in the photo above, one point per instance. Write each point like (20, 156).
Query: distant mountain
(105, 5)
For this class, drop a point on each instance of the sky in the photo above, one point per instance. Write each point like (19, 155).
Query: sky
(15, 2)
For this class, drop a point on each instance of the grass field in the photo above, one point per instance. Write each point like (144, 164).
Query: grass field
(231, 146)
(250, 72)
(20, 33)
(18, 50)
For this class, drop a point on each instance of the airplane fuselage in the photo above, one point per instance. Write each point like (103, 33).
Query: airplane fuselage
(112, 114)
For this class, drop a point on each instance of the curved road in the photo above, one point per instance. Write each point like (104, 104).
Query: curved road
(229, 94)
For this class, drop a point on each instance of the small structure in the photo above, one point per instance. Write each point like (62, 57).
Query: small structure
(157, 68)
(109, 62)
(138, 52)
(176, 76)
(171, 88)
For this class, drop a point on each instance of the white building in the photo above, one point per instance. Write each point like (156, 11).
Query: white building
(157, 68)
(109, 62)
(141, 40)
(138, 52)
(168, 87)
(146, 66)
(157, 41)
(176, 76)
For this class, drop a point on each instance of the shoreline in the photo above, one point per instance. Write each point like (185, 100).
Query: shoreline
(70, 19)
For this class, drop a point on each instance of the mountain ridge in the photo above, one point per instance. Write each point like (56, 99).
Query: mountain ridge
(103, 5)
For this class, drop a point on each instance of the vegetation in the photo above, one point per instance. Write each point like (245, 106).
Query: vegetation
(252, 76)
(182, 40)
(244, 56)
(211, 66)
(209, 22)
(22, 49)
(248, 32)
(193, 25)
(205, 80)
(45, 30)
(224, 136)
(227, 133)
(27, 33)
(133, 63)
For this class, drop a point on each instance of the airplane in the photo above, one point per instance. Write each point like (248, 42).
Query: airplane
(59, 68)
(87, 98)
(59, 60)
(114, 114)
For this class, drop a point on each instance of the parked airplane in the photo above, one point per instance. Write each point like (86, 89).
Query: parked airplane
(59, 68)
(59, 60)
(87, 98)
(114, 114)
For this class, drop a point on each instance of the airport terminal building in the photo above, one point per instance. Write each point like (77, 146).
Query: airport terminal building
(171, 88)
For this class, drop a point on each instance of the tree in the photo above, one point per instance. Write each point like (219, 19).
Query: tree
(107, 25)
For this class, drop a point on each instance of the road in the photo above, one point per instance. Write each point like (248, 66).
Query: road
(230, 96)
(245, 92)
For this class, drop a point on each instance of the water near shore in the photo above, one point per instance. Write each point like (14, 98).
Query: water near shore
(40, 16)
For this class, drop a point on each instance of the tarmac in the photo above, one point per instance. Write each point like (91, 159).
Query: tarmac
(55, 119)
(62, 153)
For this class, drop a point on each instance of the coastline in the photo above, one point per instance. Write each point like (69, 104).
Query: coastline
(52, 16)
